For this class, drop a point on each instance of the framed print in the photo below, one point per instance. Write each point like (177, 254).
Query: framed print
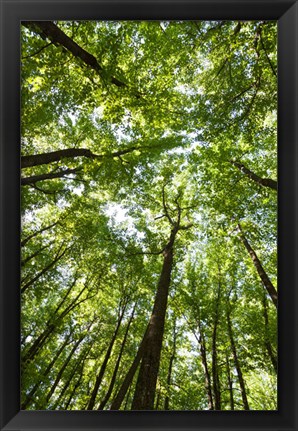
(148, 217)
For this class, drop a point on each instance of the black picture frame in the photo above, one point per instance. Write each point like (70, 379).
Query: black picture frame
(286, 12)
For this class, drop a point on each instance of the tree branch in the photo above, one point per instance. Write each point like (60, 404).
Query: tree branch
(57, 36)
(265, 182)
(29, 181)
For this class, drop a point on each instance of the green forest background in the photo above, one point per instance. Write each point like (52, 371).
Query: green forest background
(149, 215)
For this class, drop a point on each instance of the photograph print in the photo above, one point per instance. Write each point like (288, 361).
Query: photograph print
(149, 215)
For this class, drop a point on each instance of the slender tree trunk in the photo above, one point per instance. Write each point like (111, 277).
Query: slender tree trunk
(42, 272)
(105, 362)
(127, 397)
(71, 396)
(36, 253)
(268, 346)
(208, 384)
(61, 371)
(169, 376)
(230, 383)
(50, 327)
(25, 240)
(29, 397)
(158, 399)
(77, 365)
(263, 276)
(237, 364)
(116, 404)
(113, 379)
(215, 375)
(146, 382)
(265, 182)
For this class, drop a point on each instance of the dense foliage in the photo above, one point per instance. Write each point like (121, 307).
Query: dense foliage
(149, 193)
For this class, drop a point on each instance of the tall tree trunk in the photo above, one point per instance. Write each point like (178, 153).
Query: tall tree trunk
(29, 397)
(74, 390)
(58, 256)
(208, 384)
(61, 371)
(169, 376)
(116, 404)
(158, 399)
(27, 239)
(268, 346)
(263, 276)
(237, 364)
(230, 384)
(36, 253)
(77, 365)
(146, 382)
(265, 182)
(105, 362)
(215, 374)
(50, 327)
(113, 379)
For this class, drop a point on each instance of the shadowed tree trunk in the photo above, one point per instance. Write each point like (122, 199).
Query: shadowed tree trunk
(169, 376)
(56, 259)
(147, 377)
(105, 361)
(76, 367)
(215, 375)
(236, 361)
(29, 397)
(113, 379)
(51, 325)
(25, 240)
(146, 383)
(61, 371)
(230, 384)
(263, 276)
(268, 346)
(202, 345)
(117, 401)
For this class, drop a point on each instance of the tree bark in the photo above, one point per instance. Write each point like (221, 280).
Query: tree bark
(69, 153)
(51, 326)
(36, 253)
(215, 375)
(61, 371)
(208, 384)
(146, 382)
(57, 36)
(237, 364)
(113, 379)
(230, 384)
(29, 397)
(27, 181)
(43, 271)
(116, 404)
(268, 346)
(78, 365)
(169, 376)
(262, 274)
(105, 362)
(24, 242)
(265, 182)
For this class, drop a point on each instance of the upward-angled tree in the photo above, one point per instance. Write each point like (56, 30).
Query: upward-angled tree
(143, 145)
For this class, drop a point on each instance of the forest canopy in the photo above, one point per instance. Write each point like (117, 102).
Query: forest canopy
(149, 215)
